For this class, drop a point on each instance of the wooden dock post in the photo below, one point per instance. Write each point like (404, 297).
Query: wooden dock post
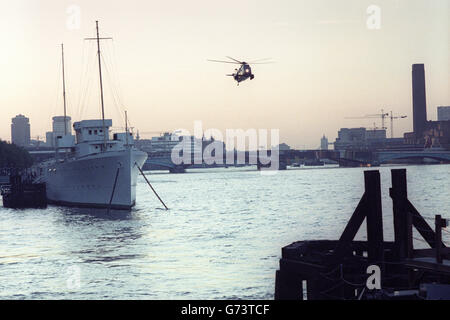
(286, 288)
(374, 216)
(439, 224)
(406, 216)
(369, 208)
(402, 217)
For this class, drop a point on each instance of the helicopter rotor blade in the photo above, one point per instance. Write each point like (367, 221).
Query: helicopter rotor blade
(234, 59)
(260, 60)
(223, 61)
(269, 62)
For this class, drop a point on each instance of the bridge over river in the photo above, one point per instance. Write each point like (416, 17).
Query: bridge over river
(439, 155)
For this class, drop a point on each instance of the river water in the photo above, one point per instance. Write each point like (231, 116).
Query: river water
(221, 238)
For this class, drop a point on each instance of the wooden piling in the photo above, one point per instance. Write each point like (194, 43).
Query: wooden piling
(286, 288)
(374, 216)
(402, 217)
(439, 224)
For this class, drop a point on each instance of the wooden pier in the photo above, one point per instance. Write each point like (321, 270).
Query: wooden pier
(346, 269)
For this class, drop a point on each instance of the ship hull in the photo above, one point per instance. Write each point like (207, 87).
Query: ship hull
(91, 181)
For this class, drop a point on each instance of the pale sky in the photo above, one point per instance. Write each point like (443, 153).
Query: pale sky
(328, 64)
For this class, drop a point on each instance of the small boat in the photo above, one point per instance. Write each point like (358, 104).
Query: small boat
(314, 162)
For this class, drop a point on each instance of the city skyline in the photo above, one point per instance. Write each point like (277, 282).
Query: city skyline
(328, 64)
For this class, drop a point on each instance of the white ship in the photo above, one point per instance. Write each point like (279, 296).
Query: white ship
(95, 170)
(91, 175)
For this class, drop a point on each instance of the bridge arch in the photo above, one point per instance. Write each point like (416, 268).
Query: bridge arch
(439, 156)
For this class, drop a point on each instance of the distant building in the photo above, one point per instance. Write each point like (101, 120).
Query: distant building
(49, 139)
(58, 126)
(350, 138)
(443, 113)
(36, 143)
(158, 145)
(20, 130)
(362, 139)
(419, 99)
(324, 143)
(58, 129)
(162, 146)
(374, 134)
(283, 147)
(437, 134)
(425, 133)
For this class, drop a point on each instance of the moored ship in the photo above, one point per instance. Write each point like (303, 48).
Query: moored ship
(94, 173)
(90, 169)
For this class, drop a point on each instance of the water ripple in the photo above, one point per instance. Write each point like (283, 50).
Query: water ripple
(221, 238)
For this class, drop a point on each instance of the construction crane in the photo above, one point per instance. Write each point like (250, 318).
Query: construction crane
(381, 115)
(392, 122)
(374, 128)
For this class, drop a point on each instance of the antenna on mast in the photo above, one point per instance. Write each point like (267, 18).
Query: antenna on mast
(64, 89)
(126, 127)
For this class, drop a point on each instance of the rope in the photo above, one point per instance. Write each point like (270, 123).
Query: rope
(332, 271)
(341, 277)
(423, 230)
(418, 239)
(113, 92)
(362, 292)
(325, 292)
(150, 185)
(85, 92)
(83, 75)
(110, 62)
(58, 88)
(427, 218)
(113, 189)
(354, 284)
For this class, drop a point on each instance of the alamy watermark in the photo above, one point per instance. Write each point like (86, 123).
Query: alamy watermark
(373, 21)
(73, 21)
(237, 146)
(73, 277)
(374, 280)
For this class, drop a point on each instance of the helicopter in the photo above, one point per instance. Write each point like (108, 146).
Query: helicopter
(244, 72)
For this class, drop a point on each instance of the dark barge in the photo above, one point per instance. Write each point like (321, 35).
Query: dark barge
(21, 192)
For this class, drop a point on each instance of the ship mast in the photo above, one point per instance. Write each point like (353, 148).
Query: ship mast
(101, 87)
(64, 90)
(126, 127)
(101, 82)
